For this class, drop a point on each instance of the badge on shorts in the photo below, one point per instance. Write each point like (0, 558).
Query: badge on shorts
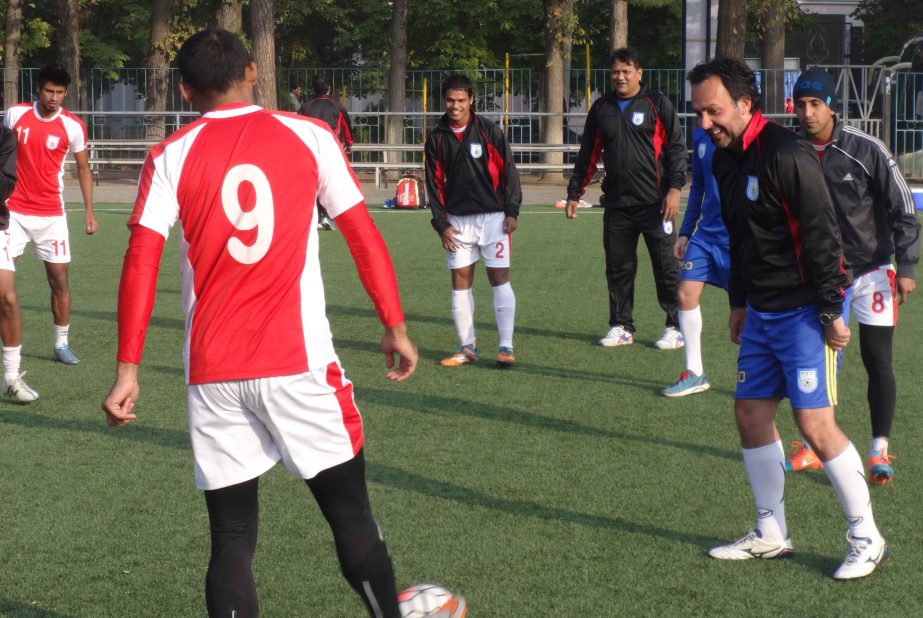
(52, 142)
(807, 380)
(753, 188)
(702, 150)
(475, 150)
(637, 118)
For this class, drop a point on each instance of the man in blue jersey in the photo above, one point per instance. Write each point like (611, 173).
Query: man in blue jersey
(702, 251)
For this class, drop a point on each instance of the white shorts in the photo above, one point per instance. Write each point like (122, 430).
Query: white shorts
(49, 234)
(480, 235)
(240, 429)
(871, 298)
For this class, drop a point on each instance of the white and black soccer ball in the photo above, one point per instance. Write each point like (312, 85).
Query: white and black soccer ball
(430, 601)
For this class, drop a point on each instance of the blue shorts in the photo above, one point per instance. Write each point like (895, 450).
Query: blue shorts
(784, 354)
(705, 261)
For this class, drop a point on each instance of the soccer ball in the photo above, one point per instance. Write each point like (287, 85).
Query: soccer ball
(430, 601)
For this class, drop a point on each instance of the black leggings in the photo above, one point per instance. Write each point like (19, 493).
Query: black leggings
(343, 499)
(875, 343)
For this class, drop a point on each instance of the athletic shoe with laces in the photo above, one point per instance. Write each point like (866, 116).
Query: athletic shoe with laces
(688, 384)
(751, 545)
(880, 470)
(863, 555)
(65, 355)
(19, 390)
(464, 355)
(671, 339)
(802, 458)
(617, 335)
(505, 357)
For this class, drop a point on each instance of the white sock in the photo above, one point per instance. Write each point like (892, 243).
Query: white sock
(505, 312)
(879, 445)
(12, 357)
(690, 324)
(463, 315)
(766, 471)
(847, 476)
(60, 335)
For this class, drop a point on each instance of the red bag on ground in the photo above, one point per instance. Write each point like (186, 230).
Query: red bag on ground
(410, 192)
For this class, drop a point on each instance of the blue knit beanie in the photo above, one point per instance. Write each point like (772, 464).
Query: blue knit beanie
(816, 83)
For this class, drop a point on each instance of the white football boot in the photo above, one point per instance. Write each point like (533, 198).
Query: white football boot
(862, 556)
(751, 545)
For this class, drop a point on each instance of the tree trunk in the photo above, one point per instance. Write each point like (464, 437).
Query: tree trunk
(397, 69)
(158, 75)
(732, 29)
(773, 57)
(11, 53)
(262, 30)
(69, 48)
(558, 14)
(618, 25)
(229, 15)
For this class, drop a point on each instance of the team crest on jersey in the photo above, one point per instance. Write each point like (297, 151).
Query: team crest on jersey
(753, 188)
(702, 151)
(807, 380)
(637, 118)
(53, 142)
(476, 150)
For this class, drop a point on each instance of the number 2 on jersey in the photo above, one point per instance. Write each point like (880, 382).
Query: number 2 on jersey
(261, 217)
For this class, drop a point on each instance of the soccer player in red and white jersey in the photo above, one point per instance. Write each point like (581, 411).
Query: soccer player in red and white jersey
(265, 383)
(45, 133)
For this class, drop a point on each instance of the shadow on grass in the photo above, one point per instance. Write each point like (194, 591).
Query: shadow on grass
(15, 609)
(109, 316)
(445, 406)
(409, 481)
(136, 432)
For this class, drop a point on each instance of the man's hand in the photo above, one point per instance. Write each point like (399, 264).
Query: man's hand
(679, 249)
(736, 323)
(905, 285)
(837, 334)
(448, 240)
(395, 341)
(570, 209)
(509, 225)
(120, 401)
(89, 221)
(670, 205)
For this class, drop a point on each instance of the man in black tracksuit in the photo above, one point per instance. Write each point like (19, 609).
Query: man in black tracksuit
(474, 196)
(877, 219)
(786, 291)
(637, 133)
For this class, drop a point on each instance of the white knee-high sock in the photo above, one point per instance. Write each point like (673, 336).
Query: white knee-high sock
(690, 324)
(505, 312)
(463, 315)
(12, 358)
(766, 471)
(847, 476)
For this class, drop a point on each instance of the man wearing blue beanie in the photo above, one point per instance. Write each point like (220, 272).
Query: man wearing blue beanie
(877, 219)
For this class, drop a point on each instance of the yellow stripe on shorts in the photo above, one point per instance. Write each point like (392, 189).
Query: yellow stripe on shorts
(830, 360)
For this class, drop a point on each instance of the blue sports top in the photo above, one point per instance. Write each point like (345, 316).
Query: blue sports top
(703, 209)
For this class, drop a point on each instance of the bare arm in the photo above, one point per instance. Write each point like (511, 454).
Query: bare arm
(85, 178)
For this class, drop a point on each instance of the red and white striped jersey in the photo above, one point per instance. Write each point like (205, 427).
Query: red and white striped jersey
(41, 146)
(243, 181)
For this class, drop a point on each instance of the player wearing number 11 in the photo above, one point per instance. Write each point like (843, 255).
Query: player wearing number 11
(265, 383)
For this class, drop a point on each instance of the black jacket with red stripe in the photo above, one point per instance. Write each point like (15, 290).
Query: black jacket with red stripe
(334, 114)
(470, 176)
(643, 150)
(785, 244)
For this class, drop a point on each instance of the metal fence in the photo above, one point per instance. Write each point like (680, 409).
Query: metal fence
(886, 105)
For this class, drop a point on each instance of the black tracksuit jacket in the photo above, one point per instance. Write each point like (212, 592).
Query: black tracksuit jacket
(784, 240)
(643, 150)
(874, 205)
(473, 176)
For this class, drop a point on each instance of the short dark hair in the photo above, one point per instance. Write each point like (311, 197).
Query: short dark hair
(457, 82)
(319, 85)
(626, 55)
(294, 85)
(212, 60)
(55, 74)
(736, 77)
